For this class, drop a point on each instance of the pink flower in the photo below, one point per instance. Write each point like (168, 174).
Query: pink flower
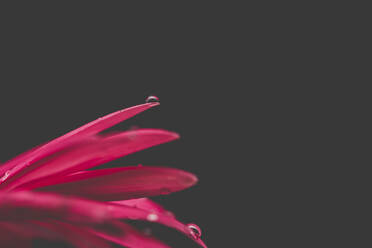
(48, 192)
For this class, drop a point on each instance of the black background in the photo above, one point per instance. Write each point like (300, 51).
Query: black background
(245, 86)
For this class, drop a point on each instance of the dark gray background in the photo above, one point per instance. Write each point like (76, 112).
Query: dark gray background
(247, 87)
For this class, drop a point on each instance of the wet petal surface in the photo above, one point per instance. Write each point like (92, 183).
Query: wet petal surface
(123, 183)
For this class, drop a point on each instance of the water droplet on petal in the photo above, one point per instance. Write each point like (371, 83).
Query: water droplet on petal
(152, 217)
(152, 99)
(5, 176)
(195, 231)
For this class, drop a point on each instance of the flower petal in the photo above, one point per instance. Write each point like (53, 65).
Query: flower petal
(127, 236)
(75, 235)
(26, 205)
(153, 207)
(123, 183)
(23, 205)
(110, 120)
(92, 153)
(24, 234)
(122, 212)
(25, 159)
(144, 203)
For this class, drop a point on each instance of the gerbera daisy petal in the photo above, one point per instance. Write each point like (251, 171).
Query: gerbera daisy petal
(110, 120)
(124, 183)
(25, 234)
(92, 153)
(144, 203)
(26, 205)
(124, 234)
(75, 235)
(155, 208)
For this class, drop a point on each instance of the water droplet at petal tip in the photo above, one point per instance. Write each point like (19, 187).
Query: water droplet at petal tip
(152, 99)
(195, 230)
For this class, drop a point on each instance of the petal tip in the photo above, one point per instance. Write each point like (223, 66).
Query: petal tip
(193, 179)
(175, 135)
(189, 179)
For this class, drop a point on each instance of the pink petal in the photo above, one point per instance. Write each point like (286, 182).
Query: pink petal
(22, 235)
(153, 207)
(23, 205)
(26, 205)
(25, 159)
(144, 203)
(122, 212)
(77, 236)
(124, 183)
(110, 120)
(128, 236)
(95, 152)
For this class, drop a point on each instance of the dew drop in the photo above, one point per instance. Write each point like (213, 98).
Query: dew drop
(195, 230)
(152, 99)
(152, 217)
